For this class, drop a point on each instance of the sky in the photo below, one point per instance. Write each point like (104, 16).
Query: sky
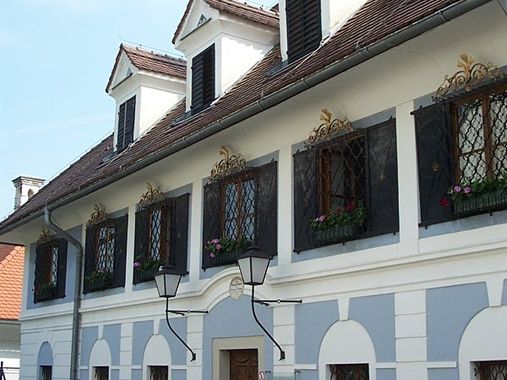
(55, 60)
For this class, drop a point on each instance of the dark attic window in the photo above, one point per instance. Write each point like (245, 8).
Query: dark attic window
(203, 79)
(304, 31)
(126, 118)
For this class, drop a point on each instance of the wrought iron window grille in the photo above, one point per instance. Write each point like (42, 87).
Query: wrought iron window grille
(50, 265)
(349, 372)
(491, 370)
(101, 373)
(45, 372)
(159, 372)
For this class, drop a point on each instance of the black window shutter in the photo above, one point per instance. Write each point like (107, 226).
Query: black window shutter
(62, 268)
(129, 121)
(211, 223)
(142, 233)
(120, 250)
(90, 252)
(434, 158)
(203, 79)
(179, 233)
(383, 178)
(305, 198)
(120, 138)
(267, 210)
(304, 27)
(39, 270)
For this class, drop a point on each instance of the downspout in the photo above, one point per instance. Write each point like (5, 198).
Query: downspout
(77, 290)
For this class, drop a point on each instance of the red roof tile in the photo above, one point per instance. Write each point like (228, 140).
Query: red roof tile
(375, 20)
(11, 281)
(245, 11)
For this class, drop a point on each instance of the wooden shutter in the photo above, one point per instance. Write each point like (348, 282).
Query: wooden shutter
(130, 114)
(90, 252)
(39, 272)
(266, 218)
(142, 233)
(120, 250)
(120, 137)
(211, 222)
(305, 198)
(179, 233)
(62, 268)
(383, 179)
(203, 79)
(304, 27)
(434, 158)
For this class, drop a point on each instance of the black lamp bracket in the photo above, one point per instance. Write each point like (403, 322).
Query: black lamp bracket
(184, 312)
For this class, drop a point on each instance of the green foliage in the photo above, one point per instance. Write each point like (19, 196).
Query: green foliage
(479, 187)
(351, 214)
(99, 276)
(216, 247)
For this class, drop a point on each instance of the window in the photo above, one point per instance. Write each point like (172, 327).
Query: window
(462, 155)
(159, 373)
(304, 30)
(240, 210)
(50, 268)
(161, 237)
(100, 373)
(346, 188)
(349, 372)
(126, 121)
(491, 370)
(46, 372)
(105, 254)
(203, 79)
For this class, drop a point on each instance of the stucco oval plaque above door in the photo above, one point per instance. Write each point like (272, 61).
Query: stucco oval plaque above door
(236, 288)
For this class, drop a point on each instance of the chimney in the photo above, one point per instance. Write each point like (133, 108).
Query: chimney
(26, 187)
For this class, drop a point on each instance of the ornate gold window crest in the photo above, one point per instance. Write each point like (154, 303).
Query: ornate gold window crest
(329, 128)
(230, 163)
(45, 235)
(472, 73)
(152, 195)
(98, 215)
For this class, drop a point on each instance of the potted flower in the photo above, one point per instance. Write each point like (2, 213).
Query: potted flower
(145, 268)
(480, 195)
(340, 224)
(99, 279)
(46, 291)
(225, 251)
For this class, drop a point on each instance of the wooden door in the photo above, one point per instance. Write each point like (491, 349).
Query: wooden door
(244, 365)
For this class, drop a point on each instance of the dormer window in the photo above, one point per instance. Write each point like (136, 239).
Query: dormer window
(304, 30)
(203, 79)
(126, 117)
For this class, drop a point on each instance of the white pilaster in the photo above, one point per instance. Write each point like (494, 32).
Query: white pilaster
(284, 333)
(130, 249)
(126, 351)
(196, 228)
(195, 327)
(285, 205)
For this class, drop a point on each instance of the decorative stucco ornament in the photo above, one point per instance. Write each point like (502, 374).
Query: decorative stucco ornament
(472, 73)
(229, 164)
(152, 195)
(236, 288)
(98, 215)
(329, 128)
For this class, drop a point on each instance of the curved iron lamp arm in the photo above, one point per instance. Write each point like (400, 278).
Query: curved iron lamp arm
(265, 303)
(180, 312)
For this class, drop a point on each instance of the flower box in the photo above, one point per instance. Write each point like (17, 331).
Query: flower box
(338, 234)
(141, 275)
(45, 292)
(93, 282)
(224, 258)
(480, 203)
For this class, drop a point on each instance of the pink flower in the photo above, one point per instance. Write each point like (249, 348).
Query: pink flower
(137, 264)
(321, 218)
(457, 189)
(212, 255)
(444, 202)
(467, 190)
(350, 207)
(215, 241)
(218, 247)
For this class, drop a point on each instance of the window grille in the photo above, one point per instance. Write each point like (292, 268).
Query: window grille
(101, 373)
(349, 372)
(50, 266)
(46, 372)
(159, 373)
(105, 248)
(491, 370)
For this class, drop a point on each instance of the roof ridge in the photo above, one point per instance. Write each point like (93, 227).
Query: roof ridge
(252, 7)
(154, 54)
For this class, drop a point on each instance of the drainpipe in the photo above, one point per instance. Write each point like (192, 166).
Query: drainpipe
(77, 290)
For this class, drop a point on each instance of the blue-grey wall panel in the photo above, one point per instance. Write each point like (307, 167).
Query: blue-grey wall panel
(386, 374)
(112, 335)
(115, 374)
(306, 374)
(179, 374)
(449, 310)
(376, 315)
(443, 374)
(88, 337)
(178, 350)
(45, 356)
(504, 298)
(136, 374)
(83, 374)
(312, 322)
(231, 318)
(141, 333)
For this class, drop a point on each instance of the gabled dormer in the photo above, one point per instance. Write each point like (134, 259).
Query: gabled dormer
(145, 85)
(221, 40)
(305, 23)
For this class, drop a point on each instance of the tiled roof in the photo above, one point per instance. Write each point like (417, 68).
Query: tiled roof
(248, 12)
(375, 20)
(11, 281)
(151, 61)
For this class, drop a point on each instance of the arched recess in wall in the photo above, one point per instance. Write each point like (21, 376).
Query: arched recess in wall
(45, 357)
(346, 342)
(484, 339)
(156, 353)
(100, 356)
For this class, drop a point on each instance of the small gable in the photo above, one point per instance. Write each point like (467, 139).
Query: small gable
(123, 68)
(198, 12)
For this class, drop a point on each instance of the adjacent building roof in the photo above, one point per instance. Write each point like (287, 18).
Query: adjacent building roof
(150, 61)
(374, 21)
(11, 281)
(247, 12)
